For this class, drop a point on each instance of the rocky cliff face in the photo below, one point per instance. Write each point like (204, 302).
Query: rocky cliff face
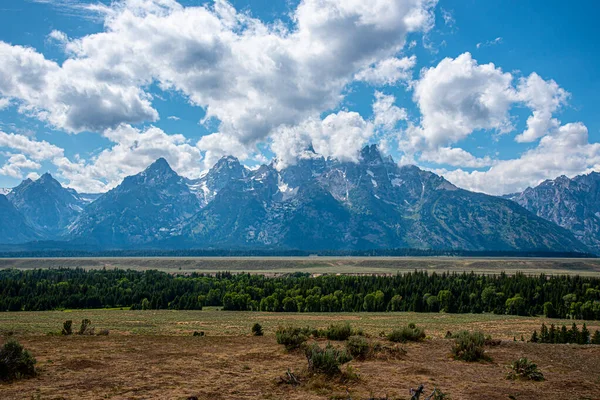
(573, 204)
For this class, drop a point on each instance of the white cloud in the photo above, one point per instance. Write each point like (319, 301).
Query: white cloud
(566, 151)
(249, 76)
(386, 115)
(544, 98)
(37, 150)
(16, 164)
(448, 18)
(4, 103)
(77, 96)
(58, 36)
(388, 71)
(456, 157)
(340, 135)
(489, 43)
(132, 152)
(457, 97)
(173, 118)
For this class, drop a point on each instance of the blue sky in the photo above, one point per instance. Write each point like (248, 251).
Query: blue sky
(94, 91)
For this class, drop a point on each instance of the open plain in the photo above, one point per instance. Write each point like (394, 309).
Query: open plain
(153, 355)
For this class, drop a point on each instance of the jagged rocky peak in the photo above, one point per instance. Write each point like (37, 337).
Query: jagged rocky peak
(370, 154)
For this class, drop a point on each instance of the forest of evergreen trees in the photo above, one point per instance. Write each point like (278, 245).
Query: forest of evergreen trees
(553, 296)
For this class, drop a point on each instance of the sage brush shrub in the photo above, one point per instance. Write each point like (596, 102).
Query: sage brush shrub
(292, 338)
(67, 328)
(15, 362)
(326, 361)
(469, 346)
(525, 369)
(410, 333)
(85, 328)
(339, 332)
(358, 347)
(257, 329)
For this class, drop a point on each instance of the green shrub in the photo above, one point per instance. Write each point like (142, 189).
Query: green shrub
(410, 333)
(292, 338)
(257, 329)
(469, 346)
(339, 331)
(67, 328)
(358, 347)
(525, 369)
(15, 362)
(326, 361)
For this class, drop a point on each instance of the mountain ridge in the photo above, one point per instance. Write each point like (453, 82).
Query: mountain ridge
(317, 204)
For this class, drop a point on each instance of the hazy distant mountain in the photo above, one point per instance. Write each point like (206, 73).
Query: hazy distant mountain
(318, 203)
(571, 203)
(13, 226)
(46, 205)
(144, 208)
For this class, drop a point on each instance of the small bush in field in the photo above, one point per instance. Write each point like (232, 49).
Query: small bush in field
(292, 338)
(103, 332)
(410, 333)
(67, 328)
(525, 369)
(469, 346)
(358, 347)
(339, 331)
(15, 362)
(326, 361)
(86, 328)
(257, 329)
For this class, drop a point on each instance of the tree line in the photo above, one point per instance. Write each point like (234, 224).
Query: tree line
(519, 294)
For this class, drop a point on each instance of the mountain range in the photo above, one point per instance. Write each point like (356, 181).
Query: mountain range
(317, 204)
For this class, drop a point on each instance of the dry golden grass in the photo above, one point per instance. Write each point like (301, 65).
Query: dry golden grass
(152, 355)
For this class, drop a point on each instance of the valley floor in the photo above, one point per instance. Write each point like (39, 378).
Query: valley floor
(152, 354)
(321, 265)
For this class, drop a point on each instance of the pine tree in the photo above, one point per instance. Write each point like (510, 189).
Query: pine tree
(573, 336)
(552, 334)
(544, 334)
(534, 337)
(584, 336)
(564, 335)
(596, 337)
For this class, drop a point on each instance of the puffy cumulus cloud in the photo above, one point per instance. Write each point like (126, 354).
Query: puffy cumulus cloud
(37, 150)
(74, 97)
(340, 135)
(217, 145)
(455, 156)
(386, 115)
(566, 151)
(460, 96)
(15, 165)
(132, 152)
(250, 76)
(4, 103)
(544, 98)
(388, 71)
(457, 97)
(58, 36)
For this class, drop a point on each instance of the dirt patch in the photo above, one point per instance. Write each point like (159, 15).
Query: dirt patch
(245, 367)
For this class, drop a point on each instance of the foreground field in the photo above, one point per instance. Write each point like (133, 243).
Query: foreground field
(320, 265)
(151, 354)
